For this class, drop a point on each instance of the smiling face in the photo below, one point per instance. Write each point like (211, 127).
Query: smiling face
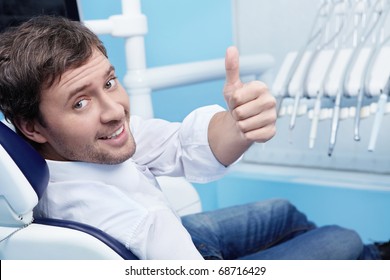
(85, 116)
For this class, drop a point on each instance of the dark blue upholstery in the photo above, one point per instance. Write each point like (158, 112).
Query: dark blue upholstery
(114, 244)
(29, 161)
(35, 169)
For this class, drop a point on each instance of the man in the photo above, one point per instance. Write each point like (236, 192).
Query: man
(60, 91)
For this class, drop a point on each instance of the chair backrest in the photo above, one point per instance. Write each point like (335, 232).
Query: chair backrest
(29, 161)
(23, 178)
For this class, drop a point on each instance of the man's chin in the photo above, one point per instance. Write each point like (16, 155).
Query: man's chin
(112, 159)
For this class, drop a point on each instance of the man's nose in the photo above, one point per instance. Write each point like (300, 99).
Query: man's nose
(112, 110)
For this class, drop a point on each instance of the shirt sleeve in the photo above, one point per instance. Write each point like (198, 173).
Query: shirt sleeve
(178, 149)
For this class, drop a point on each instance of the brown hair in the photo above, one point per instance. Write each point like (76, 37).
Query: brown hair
(34, 55)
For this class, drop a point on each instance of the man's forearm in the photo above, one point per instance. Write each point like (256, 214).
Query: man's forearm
(226, 140)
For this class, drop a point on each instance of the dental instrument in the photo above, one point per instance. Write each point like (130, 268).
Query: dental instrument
(294, 59)
(358, 56)
(377, 82)
(302, 79)
(322, 68)
(382, 16)
(378, 119)
(300, 75)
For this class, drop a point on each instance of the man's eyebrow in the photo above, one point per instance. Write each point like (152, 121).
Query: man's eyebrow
(110, 69)
(78, 89)
(85, 86)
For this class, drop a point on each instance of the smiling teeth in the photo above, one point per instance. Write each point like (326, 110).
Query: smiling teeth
(115, 134)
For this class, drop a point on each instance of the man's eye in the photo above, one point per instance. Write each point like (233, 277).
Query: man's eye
(111, 83)
(81, 104)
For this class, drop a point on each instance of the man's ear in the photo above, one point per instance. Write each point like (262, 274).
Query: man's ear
(31, 129)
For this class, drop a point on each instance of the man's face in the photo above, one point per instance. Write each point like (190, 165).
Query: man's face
(86, 116)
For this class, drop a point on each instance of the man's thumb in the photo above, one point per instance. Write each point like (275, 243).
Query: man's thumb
(232, 67)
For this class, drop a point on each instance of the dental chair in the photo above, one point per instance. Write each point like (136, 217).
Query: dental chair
(24, 176)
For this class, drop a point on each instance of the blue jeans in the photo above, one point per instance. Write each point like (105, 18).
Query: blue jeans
(272, 229)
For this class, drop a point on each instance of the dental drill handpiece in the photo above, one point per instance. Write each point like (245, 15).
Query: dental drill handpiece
(296, 101)
(335, 122)
(361, 93)
(315, 120)
(320, 94)
(301, 90)
(340, 90)
(317, 104)
(382, 101)
(337, 104)
(325, 9)
(284, 91)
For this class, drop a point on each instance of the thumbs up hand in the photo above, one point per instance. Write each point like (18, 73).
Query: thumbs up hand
(251, 116)
(251, 105)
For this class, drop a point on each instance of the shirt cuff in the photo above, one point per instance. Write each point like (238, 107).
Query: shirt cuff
(200, 164)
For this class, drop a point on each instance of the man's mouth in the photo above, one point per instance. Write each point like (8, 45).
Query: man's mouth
(114, 135)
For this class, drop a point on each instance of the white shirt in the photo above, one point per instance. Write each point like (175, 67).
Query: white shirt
(125, 200)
